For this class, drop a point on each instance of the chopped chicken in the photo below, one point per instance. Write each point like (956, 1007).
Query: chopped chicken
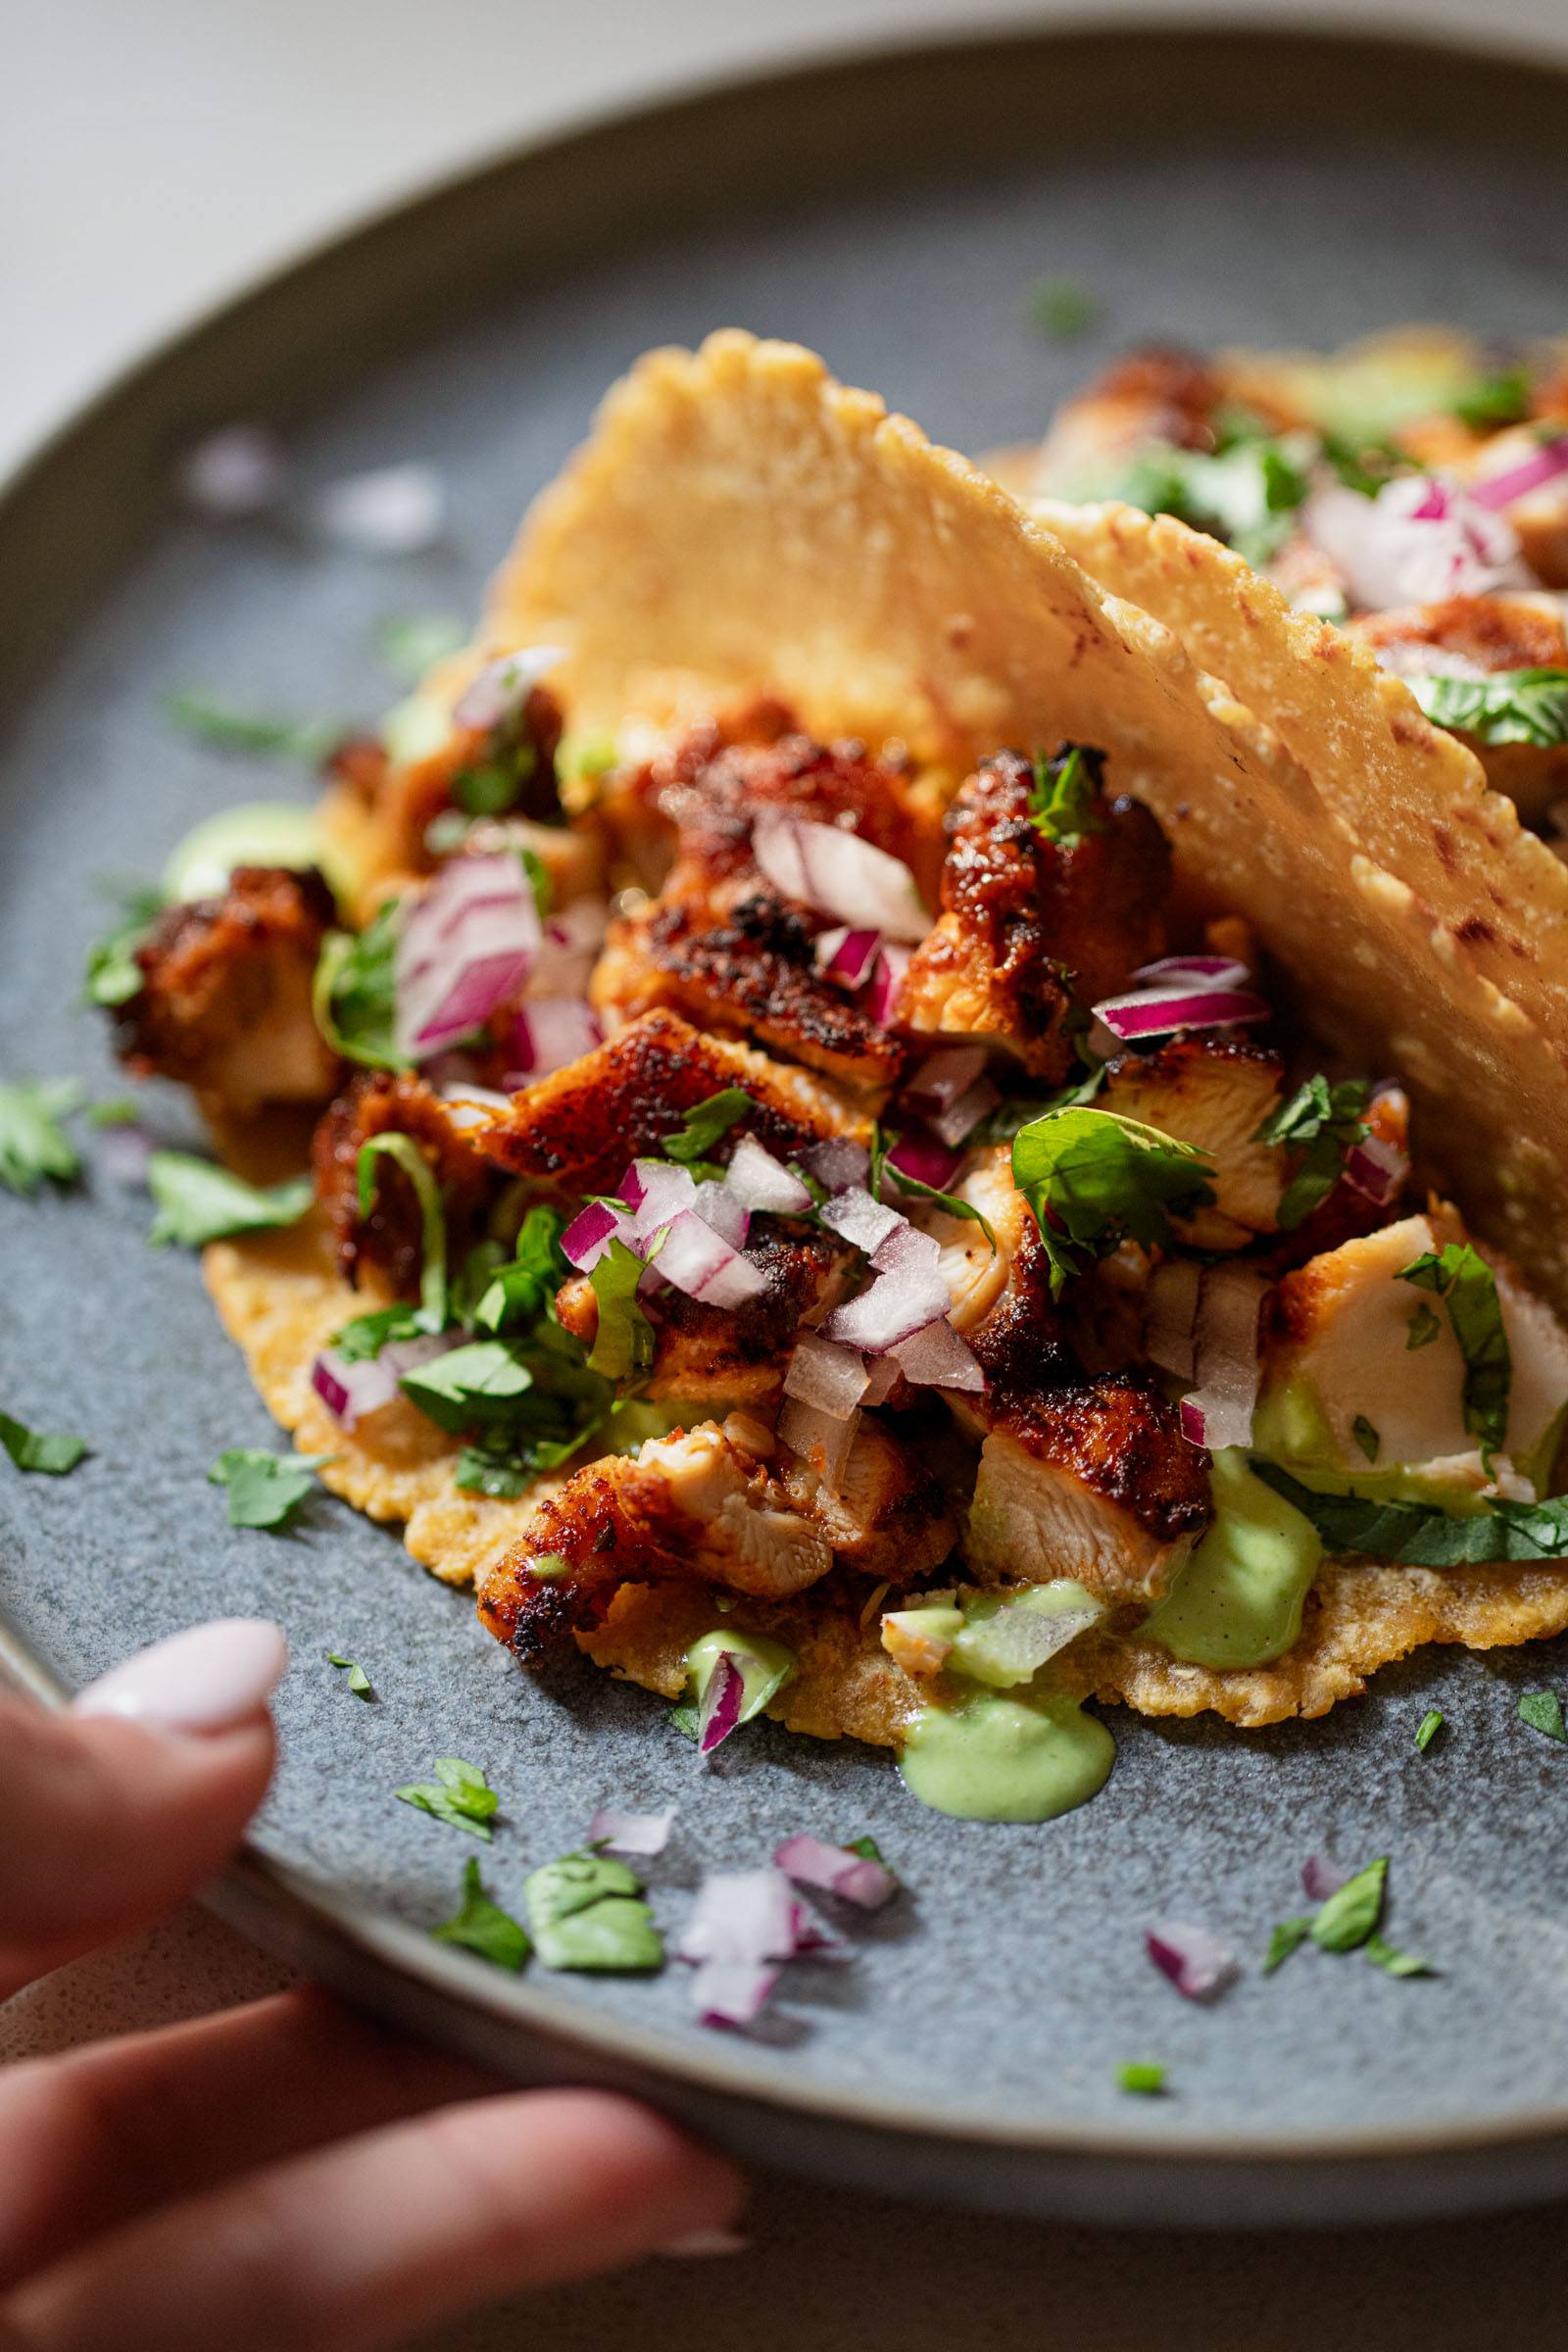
(390, 1238)
(1472, 637)
(580, 1126)
(886, 1515)
(509, 769)
(975, 1273)
(1027, 923)
(224, 1005)
(1338, 1352)
(1150, 396)
(1214, 1092)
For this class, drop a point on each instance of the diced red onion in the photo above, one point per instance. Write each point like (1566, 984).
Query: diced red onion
(466, 946)
(1162, 1012)
(742, 1915)
(1377, 1168)
(1543, 464)
(1219, 1411)
(836, 1163)
(858, 1219)
(579, 928)
(718, 1207)
(591, 1231)
(760, 1182)
(886, 978)
(848, 956)
(235, 473)
(1171, 1316)
(1417, 542)
(942, 1077)
(392, 511)
(1019, 1641)
(1321, 1878)
(695, 1259)
(938, 1358)
(549, 1033)
(1195, 1961)
(407, 1355)
(732, 1992)
(645, 1834)
(885, 1374)
(350, 1391)
(856, 1878)
(925, 1159)
(832, 1380)
(122, 1152)
(830, 868)
(822, 1441)
(891, 1311)
(1206, 971)
(504, 685)
(723, 1698)
(907, 1251)
(656, 1191)
(955, 1125)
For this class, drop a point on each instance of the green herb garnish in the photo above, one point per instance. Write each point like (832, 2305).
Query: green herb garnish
(586, 1912)
(703, 1126)
(1511, 706)
(1543, 1711)
(623, 1343)
(39, 1449)
(1246, 493)
(460, 1795)
(113, 975)
(948, 1202)
(1394, 1962)
(236, 729)
(1431, 1725)
(1347, 1918)
(1367, 1437)
(359, 1681)
(1321, 1122)
(1142, 2076)
(122, 1111)
(1094, 1179)
(1288, 1938)
(353, 995)
(1061, 309)
(1419, 1534)
(1064, 800)
(477, 1382)
(32, 1144)
(405, 1152)
(265, 1490)
(480, 1925)
(1465, 1283)
(1424, 1327)
(198, 1201)
(520, 1290)
(1493, 401)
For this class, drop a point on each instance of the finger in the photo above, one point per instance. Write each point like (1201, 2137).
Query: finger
(122, 1806)
(365, 2244)
(115, 2131)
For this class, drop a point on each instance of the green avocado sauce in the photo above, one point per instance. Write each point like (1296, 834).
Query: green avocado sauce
(1238, 1600)
(1023, 1756)
(766, 1666)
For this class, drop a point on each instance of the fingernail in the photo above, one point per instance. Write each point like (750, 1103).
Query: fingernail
(698, 2242)
(204, 1680)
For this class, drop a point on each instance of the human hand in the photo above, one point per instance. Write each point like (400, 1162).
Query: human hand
(287, 2175)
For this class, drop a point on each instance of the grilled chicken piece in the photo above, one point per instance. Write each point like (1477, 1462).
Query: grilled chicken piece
(716, 1357)
(1025, 921)
(975, 1274)
(508, 770)
(391, 1236)
(580, 1126)
(1150, 395)
(1472, 637)
(224, 1005)
(1338, 1351)
(1214, 1092)
(887, 1517)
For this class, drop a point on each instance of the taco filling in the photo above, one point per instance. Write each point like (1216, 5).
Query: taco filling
(881, 1223)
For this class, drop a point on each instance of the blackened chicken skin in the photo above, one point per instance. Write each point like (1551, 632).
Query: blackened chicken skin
(391, 1237)
(1028, 923)
(224, 1004)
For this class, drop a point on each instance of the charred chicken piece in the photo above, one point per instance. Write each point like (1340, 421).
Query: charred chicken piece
(390, 1238)
(224, 1005)
(887, 1517)
(1472, 637)
(580, 1126)
(505, 770)
(1214, 1092)
(1154, 395)
(1028, 923)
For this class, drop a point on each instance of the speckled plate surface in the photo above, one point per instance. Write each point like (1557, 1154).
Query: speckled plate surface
(889, 213)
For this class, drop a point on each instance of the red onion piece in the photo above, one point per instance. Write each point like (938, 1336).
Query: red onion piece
(1321, 1878)
(1208, 972)
(837, 1162)
(1417, 542)
(407, 1355)
(720, 1710)
(760, 1182)
(1195, 1961)
(393, 510)
(942, 1077)
(1543, 464)
(1219, 1411)
(718, 1207)
(859, 1220)
(1377, 1168)
(695, 1259)
(907, 1251)
(938, 1358)
(891, 1311)
(1171, 1316)
(550, 1031)
(832, 1380)
(732, 1992)
(884, 1376)
(957, 1122)
(645, 1834)
(848, 956)
(350, 1391)
(925, 1159)
(813, 1862)
(504, 685)
(1162, 1012)
(235, 473)
(467, 944)
(591, 1231)
(122, 1151)
(830, 868)
(658, 1190)
(822, 1441)
(887, 979)
(742, 1915)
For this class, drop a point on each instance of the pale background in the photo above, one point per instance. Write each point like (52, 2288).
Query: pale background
(156, 155)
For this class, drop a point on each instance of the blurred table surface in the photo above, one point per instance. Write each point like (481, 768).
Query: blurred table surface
(158, 153)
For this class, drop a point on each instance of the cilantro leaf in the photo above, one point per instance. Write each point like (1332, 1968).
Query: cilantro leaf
(1061, 308)
(520, 1290)
(31, 1145)
(497, 1470)
(623, 1343)
(359, 1681)
(113, 976)
(867, 1849)
(1065, 803)
(1468, 1288)
(460, 1795)
(1511, 706)
(1431, 1725)
(1246, 494)
(233, 729)
(1142, 2076)
(705, 1123)
(1423, 1329)
(122, 1111)
(364, 1337)
(1322, 1122)
(1000, 1125)
(38, 1449)
(265, 1490)
(1367, 1437)
(1419, 1534)
(198, 1201)
(1543, 1711)
(1288, 1938)
(354, 995)
(412, 643)
(586, 1913)
(474, 1383)
(1394, 1962)
(1348, 1916)
(1492, 401)
(406, 1155)
(480, 1925)
(1093, 1178)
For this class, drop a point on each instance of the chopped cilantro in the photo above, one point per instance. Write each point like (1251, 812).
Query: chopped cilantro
(623, 1343)
(1348, 1916)
(496, 1470)
(1246, 493)
(1321, 1122)
(32, 1144)
(480, 1925)
(1061, 309)
(198, 1201)
(1431, 1725)
(703, 1124)
(412, 643)
(539, 879)
(474, 1383)
(948, 1202)
(233, 729)
(1418, 1534)
(1543, 1711)
(1493, 401)
(38, 1449)
(460, 1795)
(364, 1336)
(867, 1849)
(265, 1490)
(1465, 1283)
(520, 1290)
(1142, 2076)
(1511, 706)
(1367, 1437)
(359, 1681)
(1288, 1938)
(1394, 1962)
(1424, 1328)
(353, 995)
(121, 1112)
(682, 1718)
(586, 1913)
(1064, 802)
(1093, 1178)
(505, 763)
(405, 1154)
(113, 975)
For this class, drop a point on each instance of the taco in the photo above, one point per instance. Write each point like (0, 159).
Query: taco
(897, 1155)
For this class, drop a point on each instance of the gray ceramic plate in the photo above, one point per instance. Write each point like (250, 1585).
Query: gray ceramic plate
(890, 213)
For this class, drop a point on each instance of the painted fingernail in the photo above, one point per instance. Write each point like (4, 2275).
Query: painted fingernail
(206, 1680)
(700, 2243)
